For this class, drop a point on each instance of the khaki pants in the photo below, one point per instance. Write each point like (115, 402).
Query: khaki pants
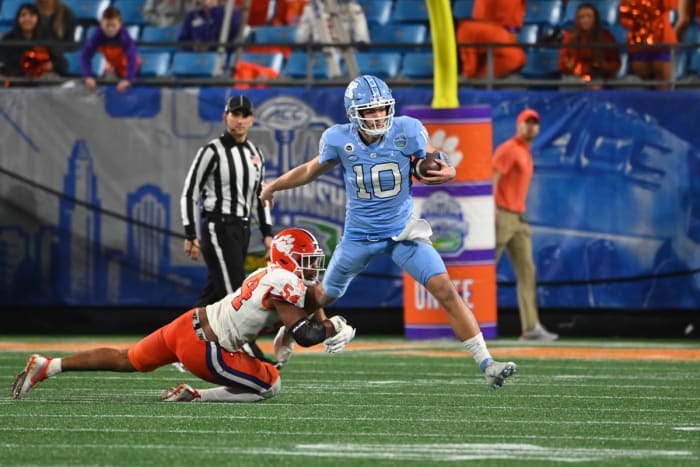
(513, 234)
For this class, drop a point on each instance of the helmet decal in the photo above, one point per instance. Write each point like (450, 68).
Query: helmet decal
(285, 243)
(298, 251)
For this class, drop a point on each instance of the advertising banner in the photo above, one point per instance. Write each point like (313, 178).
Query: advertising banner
(90, 186)
(461, 215)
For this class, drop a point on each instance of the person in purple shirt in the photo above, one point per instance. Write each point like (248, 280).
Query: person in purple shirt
(118, 48)
(204, 25)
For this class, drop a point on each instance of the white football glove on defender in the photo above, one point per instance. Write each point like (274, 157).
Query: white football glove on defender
(344, 333)
(283, 345)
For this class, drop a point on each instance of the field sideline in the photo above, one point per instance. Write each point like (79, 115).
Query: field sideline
(385, 401)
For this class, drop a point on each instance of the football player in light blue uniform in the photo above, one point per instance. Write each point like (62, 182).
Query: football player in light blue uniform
(375, 151)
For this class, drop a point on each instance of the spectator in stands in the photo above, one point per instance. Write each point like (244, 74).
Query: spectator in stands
(117, 46)
(686, 10)
(167, 12)
(257, 13)
(31, 59)
(288, 12)
(204, 25)
(648, 22)
(316, 23)
(60, 19)
(319, 24)
(590, 62)
(495, 21)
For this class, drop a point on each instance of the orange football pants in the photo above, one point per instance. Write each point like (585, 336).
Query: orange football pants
(177, 341)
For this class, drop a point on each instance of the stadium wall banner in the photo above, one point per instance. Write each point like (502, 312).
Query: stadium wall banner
(461, 214)
(90, 186)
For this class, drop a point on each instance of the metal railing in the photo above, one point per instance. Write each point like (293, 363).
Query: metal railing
(514, 81)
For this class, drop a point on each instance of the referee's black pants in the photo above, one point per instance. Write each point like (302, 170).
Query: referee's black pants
(224, 246)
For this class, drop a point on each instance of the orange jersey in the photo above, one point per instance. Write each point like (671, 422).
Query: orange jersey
(648, 21)
(513, 161)
(582, 61)
(474, 59)
(508, 13)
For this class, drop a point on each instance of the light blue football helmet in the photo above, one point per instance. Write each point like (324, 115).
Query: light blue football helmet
(369, 92)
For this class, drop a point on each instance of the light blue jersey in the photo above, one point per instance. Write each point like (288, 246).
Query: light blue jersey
(377, 176)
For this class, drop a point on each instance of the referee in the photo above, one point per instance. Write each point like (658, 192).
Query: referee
(223, 184)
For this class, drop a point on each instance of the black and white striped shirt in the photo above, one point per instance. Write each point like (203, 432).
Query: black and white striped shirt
(227, 176)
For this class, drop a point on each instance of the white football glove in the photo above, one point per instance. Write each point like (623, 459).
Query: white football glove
(283, 345)
(344, 333)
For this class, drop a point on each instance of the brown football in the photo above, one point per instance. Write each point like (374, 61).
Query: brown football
(428, 163)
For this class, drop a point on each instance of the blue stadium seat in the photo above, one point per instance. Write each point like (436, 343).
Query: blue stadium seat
(418, 65)
(543, 12)
(624, 66)
(692, 34)
(87, 10)
(410, 11)
(131, 10)
(299, 61)
(462, 9)
(273, 60)
(619, 32)
(694, 65)
(381, 64)
(73, 59)
(528, 34)
(160, 34)
(607, 10)
(8, 11)
(274, 35)
(154, 63)
(541, 63)
(398, 34)
(193, 64)
(680, 66)
(377, 11)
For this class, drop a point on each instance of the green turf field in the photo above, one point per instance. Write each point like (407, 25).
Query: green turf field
(383, 405)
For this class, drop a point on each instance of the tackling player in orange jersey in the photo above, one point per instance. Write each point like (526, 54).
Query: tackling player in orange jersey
(208, 340)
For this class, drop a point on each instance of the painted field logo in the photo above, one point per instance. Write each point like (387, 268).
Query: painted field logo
(450, 228)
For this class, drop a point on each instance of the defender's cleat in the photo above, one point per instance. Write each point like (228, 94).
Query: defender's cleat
(182, 393)
(497, 372)
(539, 333)
(34, 373)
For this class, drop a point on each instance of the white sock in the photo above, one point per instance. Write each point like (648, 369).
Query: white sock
(55, 367)
(477, 347)
(237, 394)
(225, 394)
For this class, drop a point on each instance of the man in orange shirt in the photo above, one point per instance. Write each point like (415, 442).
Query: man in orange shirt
(495, 21)
(512, 172)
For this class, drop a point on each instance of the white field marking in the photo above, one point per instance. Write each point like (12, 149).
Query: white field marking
(90, 394)
(371, 435)
(687, 428)
(473, 451)
(423, 420)
(276, 406)
(415, 452)
(465, 372)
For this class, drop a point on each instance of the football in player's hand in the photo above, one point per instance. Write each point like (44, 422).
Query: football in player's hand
(427, 163)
